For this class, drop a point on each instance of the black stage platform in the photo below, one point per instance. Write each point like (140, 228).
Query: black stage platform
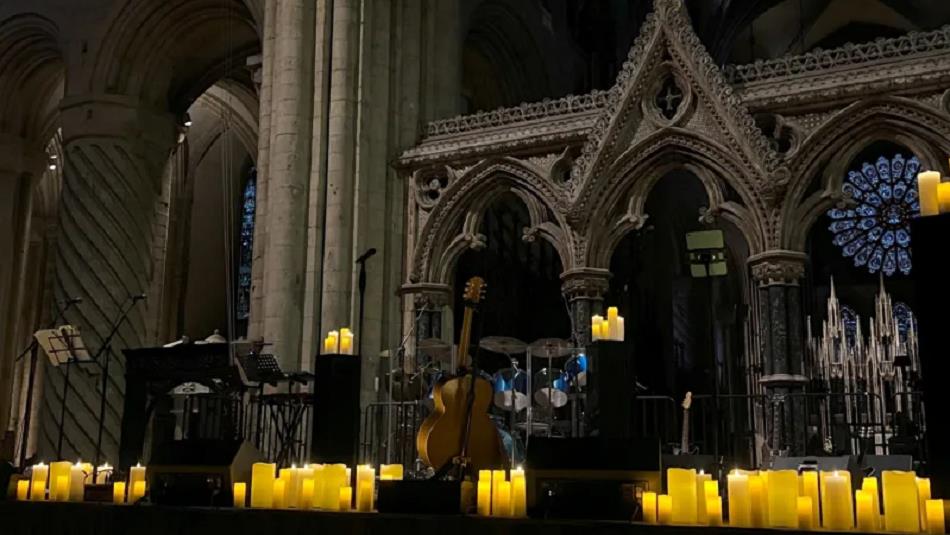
(25, 518)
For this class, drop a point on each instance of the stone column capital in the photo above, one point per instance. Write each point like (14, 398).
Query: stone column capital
(433, 294)
(778, 267)
(585, 283)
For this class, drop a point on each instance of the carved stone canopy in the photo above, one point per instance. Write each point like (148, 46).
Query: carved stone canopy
(778, 267)
(585, 283)
(431, 295)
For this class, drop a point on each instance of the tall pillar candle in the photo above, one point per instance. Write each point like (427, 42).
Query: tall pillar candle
(497, 476)
(331, 344)
(306, 494)
(239, 493)
(927, 185)
(38, 477)
(87, 472)
(943, 196)
(60, 489)
(503, 508)
(901, 503)
(936, 524)
(714, 510)
(262, 485)
(346, 498)
(757, 501)
(805, 517)
(782, 499)
(365, 484)
(118, 492)
(864, 511)
(740, 505)
(681, 486)
(664, 509)
(836, 502)
(484, 496)
(923, 494)
(137, 492)
(292, 485)
(595, 322)
(77, 483)
(649, 507)
(519, 495)
(23, 490)
(614, 334)
(280, 494)
(701, 480)
(869, 485)
(57, 469)
(809, 488)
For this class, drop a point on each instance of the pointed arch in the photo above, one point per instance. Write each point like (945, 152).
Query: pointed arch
(452, 226)
(826, 154)
(31, 77)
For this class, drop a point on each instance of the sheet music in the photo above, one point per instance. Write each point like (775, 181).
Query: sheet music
(62, 344)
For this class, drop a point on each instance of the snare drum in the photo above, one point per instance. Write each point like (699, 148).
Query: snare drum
(511, 389)
(550, 388)
(576, 369)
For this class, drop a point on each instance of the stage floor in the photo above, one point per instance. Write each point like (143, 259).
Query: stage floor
(26, 518)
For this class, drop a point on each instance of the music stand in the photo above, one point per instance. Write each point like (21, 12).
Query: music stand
(64, 347)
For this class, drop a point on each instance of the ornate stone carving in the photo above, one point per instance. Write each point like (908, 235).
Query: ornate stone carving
(778, 267)
(586, 283)
(428, 295)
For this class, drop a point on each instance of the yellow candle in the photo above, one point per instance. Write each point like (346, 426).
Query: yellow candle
(901, 503)
(497, 476)
(620, 329)
(38, 482)
(714, 510)
(391, 472)
(77, 483)
(710, 488)
(138, 491)
(118, 492)
(136, 474)
(681, 486)
(805, 517)
(943, 197)
(61, 488)
(280, 493)
(648, 505)
(346, 498)
(864, 509)
(836, 502)
(292, 486)
(335, 477)
(740, 506)
(504, 500)
(809, 488)
(262, 485)
(757, 501)
(923, 494)
(701, 480)
(515, 472)
(56, 470)
(782, 498)
(331, 344)
(23, 490)
(240, 495)
(484, 496)
(87, 473)
(595, 322)
(103, 474)
(869, 484)
(364, 494)
(614, 334)
(306, 494)
(346, 344)
(927, 184)
(935, 520)
(664, 509)
(519, 495)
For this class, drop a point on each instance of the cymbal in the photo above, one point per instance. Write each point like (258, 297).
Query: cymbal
(503, 344)
(550, 348)
(436, 349)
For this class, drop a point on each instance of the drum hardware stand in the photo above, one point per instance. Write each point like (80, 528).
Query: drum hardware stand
(401, 354)
(104, 351)
(32, 350)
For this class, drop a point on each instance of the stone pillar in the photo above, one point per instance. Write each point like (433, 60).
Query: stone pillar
(777, 275)
(584, 289)
(115, 150)
(21, 166)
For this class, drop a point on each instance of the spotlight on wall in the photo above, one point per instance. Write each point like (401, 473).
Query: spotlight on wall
(53, 156)
(186, 120)
(52, 167)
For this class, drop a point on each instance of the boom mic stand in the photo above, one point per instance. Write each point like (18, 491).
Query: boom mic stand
(104, 350)
(32, 350)
(362, 287)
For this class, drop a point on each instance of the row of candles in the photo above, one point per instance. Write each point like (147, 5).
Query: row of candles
(934, 194)
(609, 328)
(500, 496)
(338, 342)
(314, 486)
(807, 501)
(66, 482)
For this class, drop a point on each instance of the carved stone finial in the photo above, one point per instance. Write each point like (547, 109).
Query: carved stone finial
(666, 7)
(585, 283)
(778, 267)
(774, 189)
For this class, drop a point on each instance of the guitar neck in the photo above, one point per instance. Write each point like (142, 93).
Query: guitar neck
(465, 336)
(684, 436)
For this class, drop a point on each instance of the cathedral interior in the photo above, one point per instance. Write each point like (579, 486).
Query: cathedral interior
(201, 171)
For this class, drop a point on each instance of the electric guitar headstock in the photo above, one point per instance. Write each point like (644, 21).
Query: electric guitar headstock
(474, 291)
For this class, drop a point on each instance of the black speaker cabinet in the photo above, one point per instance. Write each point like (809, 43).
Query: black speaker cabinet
(611, 382)
(336, 409)
(199, 472)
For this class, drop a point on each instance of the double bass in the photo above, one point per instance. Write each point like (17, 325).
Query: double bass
(459, 429)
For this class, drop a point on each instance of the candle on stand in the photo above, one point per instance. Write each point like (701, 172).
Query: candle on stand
(365, 485)
(901, 503)
(103, 474)
(346, 498)
(346, 344)
(620, 329)
(936, 525)
(836, 502)
(927, 185)
(57, 469)
(649, 507)
(38, 482)
(262, 485)
(240, 495)
(805, 516)
(923, 494)
(77, 482)
(943, 196)
(757, 501)
(118, 492)
(136, 474)
(137, 492)
(714, 510)
(60, 489)
(519, 494)
(23, 490)
(331, 344)
(484, 495)
(740, 505)
(613, 333)
(809, 488)
(681, 486)
(280, 494)
(595, 322)
(782, 499)
(701, 480)
(664, 509)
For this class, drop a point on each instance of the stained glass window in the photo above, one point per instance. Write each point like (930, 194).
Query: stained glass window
(875, 230)
(247, 246)
(849, 318)
(904, 317)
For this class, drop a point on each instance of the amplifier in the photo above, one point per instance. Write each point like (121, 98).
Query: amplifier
(199, 472)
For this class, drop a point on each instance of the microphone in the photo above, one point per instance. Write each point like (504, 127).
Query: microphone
(369, 252)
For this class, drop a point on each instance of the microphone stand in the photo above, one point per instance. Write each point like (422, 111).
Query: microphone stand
(362, 288)
(104, 350)
(32, 349)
